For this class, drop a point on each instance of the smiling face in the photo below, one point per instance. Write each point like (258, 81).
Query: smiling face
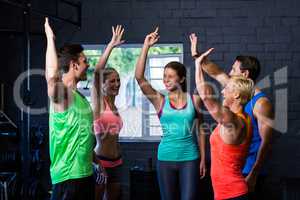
(80, 67)
(111, 84)
(171, 79)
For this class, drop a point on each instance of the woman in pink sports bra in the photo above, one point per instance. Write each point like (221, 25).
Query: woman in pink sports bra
(107, 123)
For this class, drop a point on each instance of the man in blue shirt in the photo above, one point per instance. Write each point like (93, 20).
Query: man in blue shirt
(259, 108)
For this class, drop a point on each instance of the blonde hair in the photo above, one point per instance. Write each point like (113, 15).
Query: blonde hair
(244, 86)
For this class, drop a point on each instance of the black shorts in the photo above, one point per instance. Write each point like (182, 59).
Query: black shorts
(74, 189)
(243, 197)
(260, 191)
(114, 174)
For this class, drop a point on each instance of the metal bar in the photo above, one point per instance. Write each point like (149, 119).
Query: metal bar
(26, 116)
(8, 119)
(5, 191)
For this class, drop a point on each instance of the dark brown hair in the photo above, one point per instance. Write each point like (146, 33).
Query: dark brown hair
(68, 53)
(251, 64)
(180, 71)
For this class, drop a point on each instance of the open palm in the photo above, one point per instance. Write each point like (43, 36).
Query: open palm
(116, 39)
(193, 40)
(199, 61)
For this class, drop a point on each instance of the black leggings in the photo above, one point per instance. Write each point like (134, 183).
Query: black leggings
(178, 180)
(243, 197)
(260, 191)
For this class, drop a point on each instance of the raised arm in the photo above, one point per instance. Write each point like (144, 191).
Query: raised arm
(154, 96)
(208, 66)
(55, 86)
(116, 40)
(220, 113)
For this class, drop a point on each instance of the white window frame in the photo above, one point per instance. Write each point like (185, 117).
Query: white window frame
(145, 136)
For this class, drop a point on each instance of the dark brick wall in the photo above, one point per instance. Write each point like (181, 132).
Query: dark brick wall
(268, 29)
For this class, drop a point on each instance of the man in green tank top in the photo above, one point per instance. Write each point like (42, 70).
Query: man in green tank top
(70, 122)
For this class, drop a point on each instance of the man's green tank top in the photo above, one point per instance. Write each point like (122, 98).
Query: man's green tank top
(178, 141)
(71, 140)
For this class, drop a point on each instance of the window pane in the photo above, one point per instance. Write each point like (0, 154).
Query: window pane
(132, 122)
(161, 61)
(156, 73)
(155, 127)
(92, 52)
(93, 60)
(130, 101)
(152, 110)
(155, 131)
(157, 84)
(166, 49)
(154, 121)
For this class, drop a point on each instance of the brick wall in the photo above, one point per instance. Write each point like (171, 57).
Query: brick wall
(268, 29)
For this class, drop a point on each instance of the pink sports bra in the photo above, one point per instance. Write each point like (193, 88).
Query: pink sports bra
(108, 122)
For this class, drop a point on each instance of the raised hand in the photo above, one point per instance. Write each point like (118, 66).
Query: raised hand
(48, 29)
(199, 61)
(151, 38)
(116, 39)
(193, 40)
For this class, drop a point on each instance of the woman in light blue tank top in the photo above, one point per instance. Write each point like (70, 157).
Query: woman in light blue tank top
(181, 161)
(177, 125)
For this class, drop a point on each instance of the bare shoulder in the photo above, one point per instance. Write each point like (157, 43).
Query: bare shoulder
(159, 97)
(263, 107)
(197, 102)
(63, 100)
(196, 99)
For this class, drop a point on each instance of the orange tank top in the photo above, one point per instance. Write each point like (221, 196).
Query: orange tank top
(108, 122)
(227, 162)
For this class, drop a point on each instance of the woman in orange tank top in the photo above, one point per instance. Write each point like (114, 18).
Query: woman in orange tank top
(107, 124)
(231, 138)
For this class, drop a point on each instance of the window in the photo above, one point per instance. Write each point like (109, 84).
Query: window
(139, 116)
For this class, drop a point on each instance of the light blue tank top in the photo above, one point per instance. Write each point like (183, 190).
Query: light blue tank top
(178, 141)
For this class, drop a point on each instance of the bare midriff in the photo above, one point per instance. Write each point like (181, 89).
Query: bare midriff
(110, 146)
